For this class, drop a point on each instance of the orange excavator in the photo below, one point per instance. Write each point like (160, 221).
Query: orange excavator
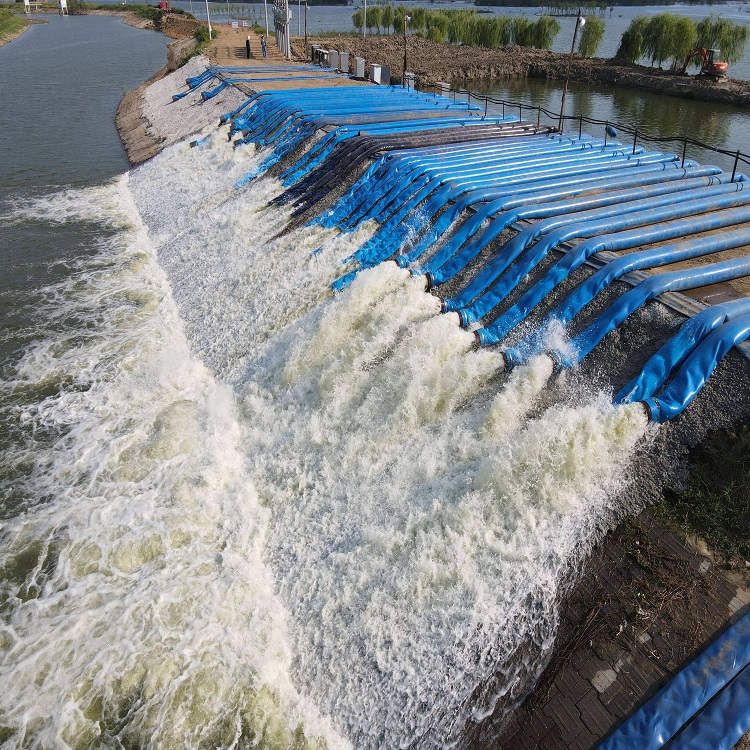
(710, 63)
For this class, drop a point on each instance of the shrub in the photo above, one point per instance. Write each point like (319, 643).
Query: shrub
(201, 34)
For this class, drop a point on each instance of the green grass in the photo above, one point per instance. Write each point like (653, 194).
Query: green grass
(716, 503)
(10, 23)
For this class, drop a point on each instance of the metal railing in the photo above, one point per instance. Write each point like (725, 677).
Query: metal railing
(636, 133)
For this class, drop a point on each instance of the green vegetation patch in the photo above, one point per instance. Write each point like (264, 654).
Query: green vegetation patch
(668, 36)
(460, 26)
(10, 23)
(716, 503)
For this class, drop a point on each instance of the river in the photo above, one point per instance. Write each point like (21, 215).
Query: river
(236, 510)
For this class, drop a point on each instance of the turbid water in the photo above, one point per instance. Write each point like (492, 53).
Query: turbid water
(238, 511)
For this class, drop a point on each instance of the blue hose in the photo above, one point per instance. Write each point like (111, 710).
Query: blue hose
(657, 369)
(697, 368)
(686, 693)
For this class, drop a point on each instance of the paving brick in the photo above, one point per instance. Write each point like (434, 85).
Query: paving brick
(572, 685)
(565, 716)
(553, 741)
(595, 716)
(608, 650)
(622, 703)
(521, 741)
(585, 740)
(538, 725)
(592, 665)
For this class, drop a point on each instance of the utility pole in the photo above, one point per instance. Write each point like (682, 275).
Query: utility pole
(364, 22)
(403, 80)
(580, 21)
(307, 7)
(208, 18)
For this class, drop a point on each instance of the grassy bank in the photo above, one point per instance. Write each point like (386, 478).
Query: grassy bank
(716, 503)
(10, 24)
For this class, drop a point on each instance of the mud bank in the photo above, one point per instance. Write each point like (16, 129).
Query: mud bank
(433, 62)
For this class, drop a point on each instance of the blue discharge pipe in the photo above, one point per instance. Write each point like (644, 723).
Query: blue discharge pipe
(648, 228)
(686, 694)
(328, 143)
(458, 178)
(697, 368)
(722, 723)
(437, 192)
(477, 159)
(519, 186)
(230, 81)
(657, 369)
(650, 181)
(367, 256)
(626, 305)
(614, 270)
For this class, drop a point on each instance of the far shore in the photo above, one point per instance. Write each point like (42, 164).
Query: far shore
(434, 61)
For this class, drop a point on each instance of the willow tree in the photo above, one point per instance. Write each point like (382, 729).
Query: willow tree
(521, 31)
(592, 34)
(358, 18)
(437, 26)
(543, 32)
(387, 17)
(632, 43)
(731, 38)
(374, 17)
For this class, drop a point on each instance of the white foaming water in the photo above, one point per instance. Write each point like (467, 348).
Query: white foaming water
(358, 536)
(137, 608)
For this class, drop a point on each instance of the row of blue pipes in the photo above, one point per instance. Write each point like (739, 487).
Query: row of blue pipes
(554, 189)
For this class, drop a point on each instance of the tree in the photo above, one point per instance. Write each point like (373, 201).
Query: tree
(374, 17)
(631, 47)
(398, 19)
(592, 34)
(437, 26)
(522, 34)
(387, 17)
(543, 33)
(358, 18)
(418, 18)
(683, 40)
(731, 38)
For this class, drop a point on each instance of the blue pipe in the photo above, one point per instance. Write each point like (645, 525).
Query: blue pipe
(587, 290)
(474, 161)
(446, 263)
(657, 369)
(533, 182)
(388, 239)
(723, 722)
(696, 370)
(686, 693)
(480, 165)
(627, 304)
(647, 228)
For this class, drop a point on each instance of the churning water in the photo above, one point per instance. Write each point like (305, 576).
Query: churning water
(249, 513)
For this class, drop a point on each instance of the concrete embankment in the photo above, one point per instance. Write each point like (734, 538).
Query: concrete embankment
(433, 62)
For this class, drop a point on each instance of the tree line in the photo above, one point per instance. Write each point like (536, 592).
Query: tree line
(669, 37)
(460, 26)
(663, 37)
